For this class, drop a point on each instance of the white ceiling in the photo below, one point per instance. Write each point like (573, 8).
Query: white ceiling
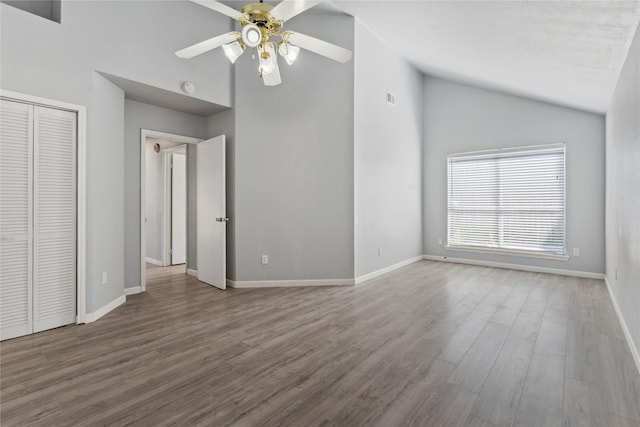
(565, 52)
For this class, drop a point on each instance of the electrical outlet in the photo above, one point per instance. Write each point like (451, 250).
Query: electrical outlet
(379, 251)
(104, 277)
(440, 242)
(576, 251)
(265, 259)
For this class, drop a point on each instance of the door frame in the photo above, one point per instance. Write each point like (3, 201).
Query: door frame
(167, 196)
(81, 188)
(144, 134)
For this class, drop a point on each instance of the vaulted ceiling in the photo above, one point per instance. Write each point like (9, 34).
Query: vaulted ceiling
(565, 52)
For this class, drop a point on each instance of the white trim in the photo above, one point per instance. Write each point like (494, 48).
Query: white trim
(386, 270)
(536, 269)
(289, 283)
(525, 148)
(509, 252)
(132, 291)
(81, 200)
(105, 309)
(144, 134)
(635, 352)
(192, 272)
(153, 261)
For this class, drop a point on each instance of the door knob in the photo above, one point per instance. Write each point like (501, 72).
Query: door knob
(221, 219)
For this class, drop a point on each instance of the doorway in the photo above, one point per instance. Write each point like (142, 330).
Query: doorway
(169, 211)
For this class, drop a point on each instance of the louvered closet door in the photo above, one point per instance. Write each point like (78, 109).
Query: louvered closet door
(16, 125)
(54, 260)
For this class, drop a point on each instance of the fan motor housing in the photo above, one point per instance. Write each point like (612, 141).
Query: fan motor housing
(258, 13)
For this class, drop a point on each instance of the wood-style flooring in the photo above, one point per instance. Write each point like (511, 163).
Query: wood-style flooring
(432, 344)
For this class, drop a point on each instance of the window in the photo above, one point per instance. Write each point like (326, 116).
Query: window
(509, 200)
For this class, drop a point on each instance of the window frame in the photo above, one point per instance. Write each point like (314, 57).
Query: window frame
(506, 153)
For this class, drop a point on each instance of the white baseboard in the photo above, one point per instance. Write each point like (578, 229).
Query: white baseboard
(288, 283)
(192, 272)
(386, 270)
(535, 269)
(632, 346)
(154, 261)
(105, 309)
(132, 291)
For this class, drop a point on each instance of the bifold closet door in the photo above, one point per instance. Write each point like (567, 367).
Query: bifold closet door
(16, 196)
(54, 218)
(37, 218)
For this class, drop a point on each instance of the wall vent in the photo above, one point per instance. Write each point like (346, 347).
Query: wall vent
(391, 99)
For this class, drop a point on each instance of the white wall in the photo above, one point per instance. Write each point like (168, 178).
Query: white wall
(137, 116)
(460, 118)
(387, 156)
(623, 194)
(293, 150)
(58, 61)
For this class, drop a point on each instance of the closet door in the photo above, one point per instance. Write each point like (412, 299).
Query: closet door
(16, 135)
(54, 210)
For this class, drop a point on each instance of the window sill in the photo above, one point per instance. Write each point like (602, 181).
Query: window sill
(508, 252)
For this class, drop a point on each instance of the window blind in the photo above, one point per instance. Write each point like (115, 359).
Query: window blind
(511, 199)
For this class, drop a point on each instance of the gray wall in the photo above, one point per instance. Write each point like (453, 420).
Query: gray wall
(293, 151)
(623, 192)
(387, 156)
(46, 59)
(459, 118)
(105, 204)
(143, 116)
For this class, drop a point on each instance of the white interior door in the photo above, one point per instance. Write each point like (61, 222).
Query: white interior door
(178, 208)
(16, 226)
(211, 212)
(54, 218)
(38, 219)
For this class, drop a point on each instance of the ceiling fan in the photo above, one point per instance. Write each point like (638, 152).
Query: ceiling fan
(260, 22)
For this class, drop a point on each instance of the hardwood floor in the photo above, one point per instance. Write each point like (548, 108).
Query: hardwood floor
(432, 344)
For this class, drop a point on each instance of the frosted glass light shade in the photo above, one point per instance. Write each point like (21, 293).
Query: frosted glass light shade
(268, 58)
(289, 52)
(233, 51)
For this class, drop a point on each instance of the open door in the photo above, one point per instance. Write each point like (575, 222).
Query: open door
(211, 212)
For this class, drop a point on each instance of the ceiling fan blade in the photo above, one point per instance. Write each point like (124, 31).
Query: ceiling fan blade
(318, 46)
(273, 78)
(207, 45)
(287, 9)
(220, 8)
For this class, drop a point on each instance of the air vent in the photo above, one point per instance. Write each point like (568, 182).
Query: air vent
(391, 99)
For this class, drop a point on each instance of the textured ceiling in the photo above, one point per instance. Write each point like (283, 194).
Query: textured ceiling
(565, 52)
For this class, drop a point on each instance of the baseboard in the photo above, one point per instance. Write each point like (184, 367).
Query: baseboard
(132, 291)
(289, 283)
(154, 261)
(105, 309)
(192, 272)
(632, 346)
(535, 269)
(386, 270)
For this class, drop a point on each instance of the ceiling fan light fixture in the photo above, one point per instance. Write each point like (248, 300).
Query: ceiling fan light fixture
(251, 35)
(288, 51)
(268, 58)
(233, 51)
